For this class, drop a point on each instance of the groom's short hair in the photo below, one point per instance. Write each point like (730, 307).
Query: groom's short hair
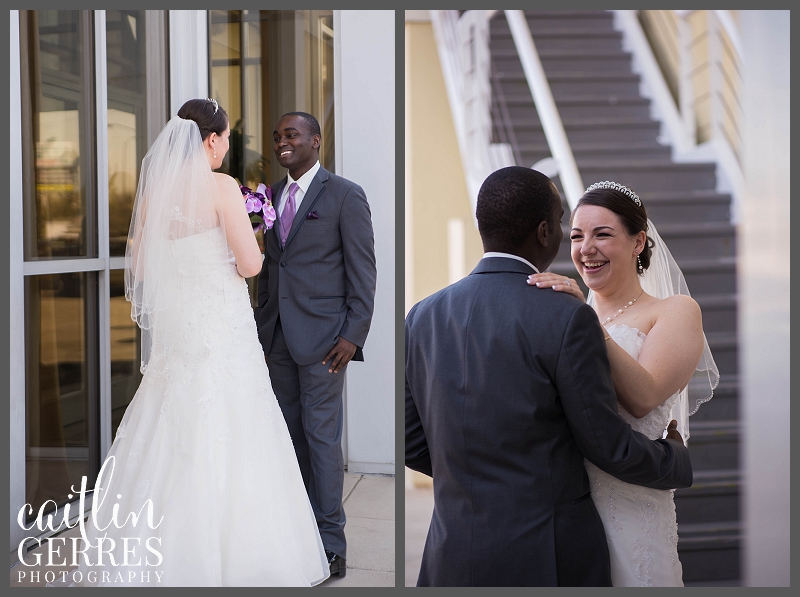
(512, 202)
(311, 122)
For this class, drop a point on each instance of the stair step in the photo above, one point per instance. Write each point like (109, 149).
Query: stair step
(588, 101)
(532, 153)
(575, 84)
(593, 130)
(644, 176)
(564, 53)
(719, 311)
(562, 61)
(669, 206)
(690, 239)
(602, 148)
(521, 107)
(709, 551)
(723, 405)
(713, 497)
(714, 445)
(559, 39)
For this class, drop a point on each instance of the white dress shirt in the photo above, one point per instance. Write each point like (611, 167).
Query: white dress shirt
(303, 183)
(510, 256)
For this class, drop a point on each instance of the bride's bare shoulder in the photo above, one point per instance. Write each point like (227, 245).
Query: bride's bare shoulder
(678, 306)
(226, 184)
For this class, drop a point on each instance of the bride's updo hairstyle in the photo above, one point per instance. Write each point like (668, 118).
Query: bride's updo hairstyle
(209, 116)
(632, 215)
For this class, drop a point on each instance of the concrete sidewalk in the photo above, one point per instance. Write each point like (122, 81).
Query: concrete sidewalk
(369, 506)
(418, 509)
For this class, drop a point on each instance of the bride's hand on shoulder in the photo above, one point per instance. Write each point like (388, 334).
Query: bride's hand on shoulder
(556, 282)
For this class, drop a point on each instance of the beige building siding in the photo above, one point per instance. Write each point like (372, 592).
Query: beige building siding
(436, 190)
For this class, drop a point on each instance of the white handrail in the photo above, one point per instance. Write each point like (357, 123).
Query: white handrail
(463, 47)
(546, 106)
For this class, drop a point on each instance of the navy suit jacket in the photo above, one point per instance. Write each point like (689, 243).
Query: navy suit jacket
(508, 389)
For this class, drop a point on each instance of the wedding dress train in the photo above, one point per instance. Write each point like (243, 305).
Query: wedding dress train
(640, 523)
(205, 442)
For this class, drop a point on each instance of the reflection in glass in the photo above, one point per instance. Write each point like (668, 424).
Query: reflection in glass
(127, 117)
(125, 339)
(60, 385)
(57, 87)
(265, 63)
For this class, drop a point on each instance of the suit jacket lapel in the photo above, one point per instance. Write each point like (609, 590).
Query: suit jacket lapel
(315, 191)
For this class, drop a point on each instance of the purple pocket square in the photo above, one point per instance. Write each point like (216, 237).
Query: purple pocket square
(312, 215)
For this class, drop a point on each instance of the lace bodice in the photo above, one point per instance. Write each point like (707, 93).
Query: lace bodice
(653, 423)
(639, 522)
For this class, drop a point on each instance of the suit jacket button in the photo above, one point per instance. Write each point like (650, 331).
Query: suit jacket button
(283, 264)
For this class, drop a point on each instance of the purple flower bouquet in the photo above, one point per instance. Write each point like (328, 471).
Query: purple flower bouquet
(259, 206)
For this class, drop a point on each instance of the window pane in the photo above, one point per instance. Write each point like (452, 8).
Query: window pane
(126, 37)
(265, 63)
(226, 80)
(57, 134)
(125, 350)
(60, 385)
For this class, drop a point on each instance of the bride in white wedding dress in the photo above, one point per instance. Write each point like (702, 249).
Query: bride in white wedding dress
(656, 345)
(203, 442)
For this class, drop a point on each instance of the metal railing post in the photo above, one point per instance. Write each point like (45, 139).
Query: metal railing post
(546, 106)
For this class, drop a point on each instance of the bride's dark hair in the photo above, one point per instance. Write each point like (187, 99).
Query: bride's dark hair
(633, 217)
(209, 116)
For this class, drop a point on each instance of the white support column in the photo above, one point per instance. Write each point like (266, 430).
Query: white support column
(764, 308)
(455, 249)
(103, 281)
(365, 133)
(188, 56)
(409, 189)
(17, 296)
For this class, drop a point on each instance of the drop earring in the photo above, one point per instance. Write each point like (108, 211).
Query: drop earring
(639, 261)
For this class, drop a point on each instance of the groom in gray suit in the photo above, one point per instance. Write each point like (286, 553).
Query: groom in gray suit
(315, 299)
(508, 389)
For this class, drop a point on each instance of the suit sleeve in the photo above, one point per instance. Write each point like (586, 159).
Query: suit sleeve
(263, 284)
(587, 394)
(358, 246)
(418, 457)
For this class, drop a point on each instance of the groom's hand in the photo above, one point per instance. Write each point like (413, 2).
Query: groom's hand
(672, 431)
(340, 355)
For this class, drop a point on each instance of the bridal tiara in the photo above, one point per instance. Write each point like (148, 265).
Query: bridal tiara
(607, 184)
(213, 101)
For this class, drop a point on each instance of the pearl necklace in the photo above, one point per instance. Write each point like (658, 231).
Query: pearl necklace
(623, 309)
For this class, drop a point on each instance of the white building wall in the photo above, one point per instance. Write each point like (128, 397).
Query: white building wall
(764, 266)
(364, 54)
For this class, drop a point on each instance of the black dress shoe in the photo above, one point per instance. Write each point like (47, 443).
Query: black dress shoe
(338, 564)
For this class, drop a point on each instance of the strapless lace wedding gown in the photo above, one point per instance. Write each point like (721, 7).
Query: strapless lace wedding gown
(205, 441)
(640, 522)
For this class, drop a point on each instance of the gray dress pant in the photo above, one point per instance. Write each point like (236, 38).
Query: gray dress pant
(311, 401)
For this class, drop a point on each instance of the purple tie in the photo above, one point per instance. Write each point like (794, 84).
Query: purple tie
(288, 213)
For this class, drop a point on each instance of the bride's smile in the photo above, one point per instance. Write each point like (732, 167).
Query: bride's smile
(603, 253)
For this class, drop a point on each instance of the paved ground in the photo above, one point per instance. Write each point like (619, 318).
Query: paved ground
(370, 509)
(419, 506)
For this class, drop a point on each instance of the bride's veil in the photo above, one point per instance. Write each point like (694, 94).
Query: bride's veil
(662, 279)
(176, 198)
